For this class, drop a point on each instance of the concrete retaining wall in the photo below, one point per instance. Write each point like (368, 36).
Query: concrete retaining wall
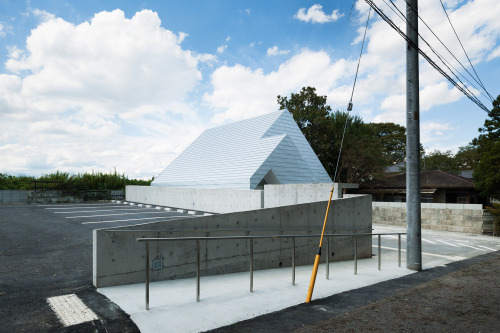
(228, 201)
(119, 258)
(446, 217)
(14, 196)
(207, 200)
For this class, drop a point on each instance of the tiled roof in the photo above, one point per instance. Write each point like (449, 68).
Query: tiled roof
(428, 179)
(240, 155)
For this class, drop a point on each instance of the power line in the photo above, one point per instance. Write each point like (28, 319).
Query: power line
(443, 60)
(426, 57)
(463, 48)
(446, 63)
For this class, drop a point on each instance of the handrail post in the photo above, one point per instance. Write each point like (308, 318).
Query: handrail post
(293, 261)
(399, 250)
(379, 253)
(327, 257)
(197, 271)
(355, 255)
(251, 265)
(147, 275)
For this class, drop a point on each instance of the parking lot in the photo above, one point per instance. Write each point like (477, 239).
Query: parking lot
(46, 251)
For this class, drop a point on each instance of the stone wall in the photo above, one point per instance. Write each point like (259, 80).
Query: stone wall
(445, 217)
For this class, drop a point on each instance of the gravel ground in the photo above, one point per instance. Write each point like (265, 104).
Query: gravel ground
(463, 296)
(463, 301)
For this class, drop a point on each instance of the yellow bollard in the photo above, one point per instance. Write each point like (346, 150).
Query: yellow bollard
(318, 255)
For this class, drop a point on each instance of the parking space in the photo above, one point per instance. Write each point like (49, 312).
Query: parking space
(438, 247)
(114, 214)
(46, 253)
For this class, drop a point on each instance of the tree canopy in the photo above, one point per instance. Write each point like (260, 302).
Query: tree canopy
(362, 157)
(487, 172)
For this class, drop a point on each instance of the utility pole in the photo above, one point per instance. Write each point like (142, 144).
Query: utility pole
(413, 213)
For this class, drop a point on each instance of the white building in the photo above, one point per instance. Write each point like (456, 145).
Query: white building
(247, 154)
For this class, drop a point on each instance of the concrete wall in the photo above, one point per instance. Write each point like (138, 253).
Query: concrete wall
(14, 196)
(446, 217)
(228, 201)
(207, 200)
(119, 258)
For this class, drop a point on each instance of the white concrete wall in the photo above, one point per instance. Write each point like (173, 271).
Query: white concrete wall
(119, 258)
(206, 200)
(228, 201)
(293, 194)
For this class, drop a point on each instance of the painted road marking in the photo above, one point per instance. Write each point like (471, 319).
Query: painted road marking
(98, 210)
(71, 310)
(428, 241)
(487, 248)
(65, 208)
(472, 247)
(455, 258)
(146, 218)
(446, 243)
(91, 216)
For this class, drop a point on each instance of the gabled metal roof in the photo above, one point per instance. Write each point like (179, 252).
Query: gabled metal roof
(241, 154)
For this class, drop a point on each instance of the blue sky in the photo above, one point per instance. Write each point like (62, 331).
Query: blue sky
(94, 85)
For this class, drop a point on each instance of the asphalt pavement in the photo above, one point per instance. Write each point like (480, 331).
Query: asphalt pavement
(46, 251)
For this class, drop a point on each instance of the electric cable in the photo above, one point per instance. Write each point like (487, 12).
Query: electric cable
(425, 56)
(349, 106)
(445, 62)
(463, 48)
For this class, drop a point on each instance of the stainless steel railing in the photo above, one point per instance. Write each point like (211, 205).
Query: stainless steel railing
(251, 239)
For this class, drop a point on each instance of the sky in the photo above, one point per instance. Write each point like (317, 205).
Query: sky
(128, 85)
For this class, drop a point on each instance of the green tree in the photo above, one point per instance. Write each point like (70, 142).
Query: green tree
(487, 173)
(467, 157)
(314, 119)
(362, 156)
(393, 138)
(438, 160)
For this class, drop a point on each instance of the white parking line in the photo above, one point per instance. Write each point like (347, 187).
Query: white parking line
(425, 253)
(98, 210)
(472, 247)
(487, 248)
(146, 218)
(428, 241)
(438, 240)
(91, 216)
(78, 207)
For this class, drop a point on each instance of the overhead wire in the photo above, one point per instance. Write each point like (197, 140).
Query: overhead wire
(426, 57)
(463, 48)
(445, 62)
(349, 106)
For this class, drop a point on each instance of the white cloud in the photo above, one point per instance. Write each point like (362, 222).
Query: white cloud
(315, 14)
(240, 92)
(274, 51)
(43, 15)
(222, 48)
(98, 94)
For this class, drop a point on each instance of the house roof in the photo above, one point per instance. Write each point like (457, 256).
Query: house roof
(431, 179)
(240, 155)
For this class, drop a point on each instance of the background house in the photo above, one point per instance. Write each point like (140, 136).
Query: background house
(436, 187)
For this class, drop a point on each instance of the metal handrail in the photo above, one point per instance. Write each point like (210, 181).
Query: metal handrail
(147, 240)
